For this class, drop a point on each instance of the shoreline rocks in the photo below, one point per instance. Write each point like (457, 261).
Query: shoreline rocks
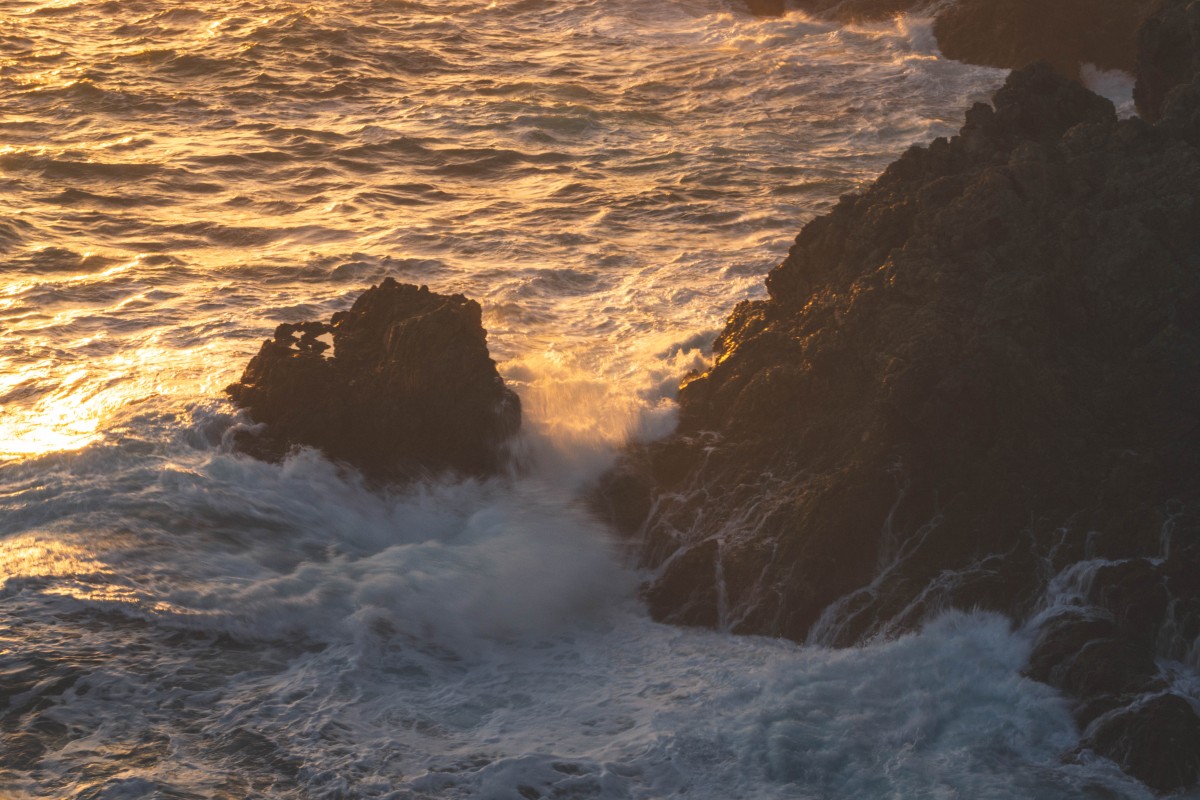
(410, 388)
(766, 8)
(1007, 34)
(1168, 57)
(976, 377)
(1067, 34)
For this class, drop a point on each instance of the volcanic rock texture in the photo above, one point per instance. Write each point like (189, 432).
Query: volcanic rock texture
(410, 388)
(974, 385)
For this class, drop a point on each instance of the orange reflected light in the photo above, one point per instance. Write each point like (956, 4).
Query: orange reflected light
(75, 410)
(67, 419)
(80, 575)
(31, 556)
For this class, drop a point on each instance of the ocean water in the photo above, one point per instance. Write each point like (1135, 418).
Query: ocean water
(607, 177)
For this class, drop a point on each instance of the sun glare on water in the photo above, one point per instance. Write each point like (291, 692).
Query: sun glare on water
(64, 420)
(44, 412)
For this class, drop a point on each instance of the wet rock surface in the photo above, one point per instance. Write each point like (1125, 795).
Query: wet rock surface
(1168, 56)
(1067, 34)
(1157, 741)
(1015, 33)
(409, 389)
(766, 8)
(977, 375)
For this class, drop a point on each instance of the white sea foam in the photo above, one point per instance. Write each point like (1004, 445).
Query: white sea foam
(476, 639)
(1116, 85)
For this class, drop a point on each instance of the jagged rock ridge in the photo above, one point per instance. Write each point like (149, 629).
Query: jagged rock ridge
(1168, 57)
(410, 388)
(979, 372)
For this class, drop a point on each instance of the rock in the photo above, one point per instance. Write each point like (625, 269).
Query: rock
(1156, 741)
(1168, 54)
(1178, 637)
(951, 366)
(766, 8)
(1065, 33)
(979, 371)
(1135, 595)
(1015, 33)
(1087, 657)
(409, 389)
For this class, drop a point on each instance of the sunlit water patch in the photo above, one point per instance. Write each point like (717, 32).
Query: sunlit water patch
(608, 177)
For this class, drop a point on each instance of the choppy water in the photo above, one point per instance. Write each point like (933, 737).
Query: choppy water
(608, 177)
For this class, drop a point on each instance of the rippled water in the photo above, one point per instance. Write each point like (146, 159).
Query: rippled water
(608, 178)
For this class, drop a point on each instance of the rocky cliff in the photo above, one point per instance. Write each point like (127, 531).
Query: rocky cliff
(974, 385)
(1168, 58)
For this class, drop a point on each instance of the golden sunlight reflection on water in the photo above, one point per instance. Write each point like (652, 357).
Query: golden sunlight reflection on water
(32, 556)
(75, 409)
(64, 420)
(74, 571)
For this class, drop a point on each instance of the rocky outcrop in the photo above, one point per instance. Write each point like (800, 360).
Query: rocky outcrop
(409, 388)
(860, 10)
(766, 8)
(1066, 33)
(979, 372)
(1156, 740)
(1102, 646)
(1168, 55)
(1014, 33)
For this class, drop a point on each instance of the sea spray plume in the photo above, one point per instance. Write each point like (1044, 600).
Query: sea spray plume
(410, 387)
(976, 373)
(443, 566)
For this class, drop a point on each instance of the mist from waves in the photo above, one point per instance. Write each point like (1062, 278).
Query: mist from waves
(608, 177)
(219, 627)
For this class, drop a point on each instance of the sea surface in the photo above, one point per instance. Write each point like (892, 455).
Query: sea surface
(608, 178)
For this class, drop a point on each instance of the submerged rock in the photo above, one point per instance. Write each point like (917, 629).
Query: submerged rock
(410, 387)
(979, 371)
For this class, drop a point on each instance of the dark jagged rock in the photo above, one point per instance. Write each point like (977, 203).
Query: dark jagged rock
(1008, 33)
(1066, 33)
(1156, 741)
(410, 387)
(1092, 659)
(937, 362)
(983, 369)
(1168, 54)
